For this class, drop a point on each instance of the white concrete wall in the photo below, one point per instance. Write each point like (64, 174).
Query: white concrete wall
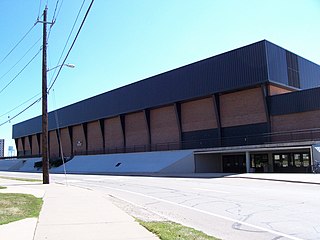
(6, 165)
(149, 162)
(183, 165)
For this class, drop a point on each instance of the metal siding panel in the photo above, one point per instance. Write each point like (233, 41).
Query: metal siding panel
(28, 127)
(299, 101)
(245, 134)
(238, 68)
(200, 139)
(309, 73)
(277, 63)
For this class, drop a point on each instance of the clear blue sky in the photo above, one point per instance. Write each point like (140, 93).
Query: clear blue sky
(124, 41)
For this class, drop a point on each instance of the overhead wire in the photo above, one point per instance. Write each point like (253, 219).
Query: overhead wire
(10, 119)
(37, 100)
(73, 26)
(79, 30)
(20, 71)
(5, 114)
(59, 10)
(20, 58)
(39, 10)
(55, 10)
(15, 46)
(5, 57)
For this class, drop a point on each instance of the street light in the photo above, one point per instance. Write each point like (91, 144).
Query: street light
(70, 65)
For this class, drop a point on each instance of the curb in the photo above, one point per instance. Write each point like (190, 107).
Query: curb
(278, 180)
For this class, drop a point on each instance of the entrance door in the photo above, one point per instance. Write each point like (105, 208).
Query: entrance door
(259, 162)
(234, 163)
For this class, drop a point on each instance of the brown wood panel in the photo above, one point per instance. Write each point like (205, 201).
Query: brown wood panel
(198, 115)
(53, 144)
(242, 108)
(95, 138)
(65, 142)
(113, 133)
(136, 130)
(78, 139)
(27, 146)
(164, 125)
(20, 148)
(35, 145)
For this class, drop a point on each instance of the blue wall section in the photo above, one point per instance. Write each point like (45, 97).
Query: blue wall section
(277, 63)
(309, 73)
(295, 102)
(244, 134)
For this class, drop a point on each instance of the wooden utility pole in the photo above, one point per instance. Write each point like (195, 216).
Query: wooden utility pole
(45, 155)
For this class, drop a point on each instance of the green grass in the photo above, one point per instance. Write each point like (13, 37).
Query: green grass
(2, 187)
(16, 206)
(167, 230)
(21, 179)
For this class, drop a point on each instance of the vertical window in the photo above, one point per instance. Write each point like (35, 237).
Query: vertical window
(276, 159)
(285, 160)
(293, 69)
(306, 159)
(297, 160)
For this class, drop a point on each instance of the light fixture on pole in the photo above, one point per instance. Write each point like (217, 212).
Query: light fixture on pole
(70, 65)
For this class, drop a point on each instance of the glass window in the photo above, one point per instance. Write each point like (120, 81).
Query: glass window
(306, 159)
(276, 160)
(297, 160)
(285, 160)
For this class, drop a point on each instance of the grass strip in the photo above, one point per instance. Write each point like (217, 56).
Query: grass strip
(167, 230)
(2, 187)
(17, 206)
(22, 179)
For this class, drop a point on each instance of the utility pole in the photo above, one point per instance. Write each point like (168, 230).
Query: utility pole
(45, 157)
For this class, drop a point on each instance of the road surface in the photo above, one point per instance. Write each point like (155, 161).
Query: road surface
(228, 208)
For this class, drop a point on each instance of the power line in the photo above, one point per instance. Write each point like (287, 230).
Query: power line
(36, 101)
(9, 120)
(39, 10)
(5, 114)
(74, 24)
(20, 71)
(55, 16)
(82, 23)
(55, 10)
(17, 44)
(20, 58)
(59, 10)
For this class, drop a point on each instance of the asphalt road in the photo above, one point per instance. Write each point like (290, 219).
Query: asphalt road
(228, 208)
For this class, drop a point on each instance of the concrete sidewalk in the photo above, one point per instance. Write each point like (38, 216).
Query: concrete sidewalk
(71, 213)
(306, 178)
